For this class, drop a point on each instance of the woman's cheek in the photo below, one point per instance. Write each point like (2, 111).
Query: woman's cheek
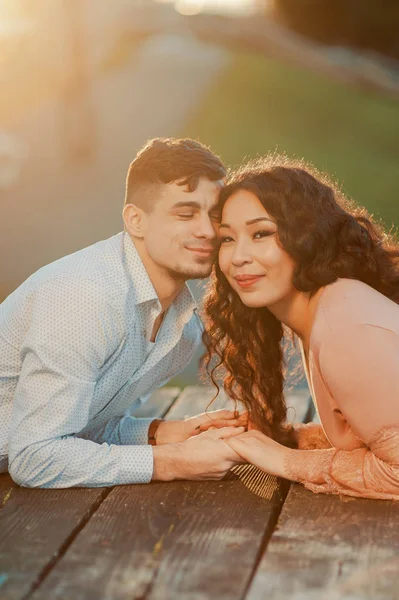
(222, 261)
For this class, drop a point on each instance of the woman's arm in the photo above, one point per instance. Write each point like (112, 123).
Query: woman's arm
(365, 472)
(360, 366)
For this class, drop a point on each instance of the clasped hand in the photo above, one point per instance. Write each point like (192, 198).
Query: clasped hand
(231, 428)
(259, 450)
(170, 432)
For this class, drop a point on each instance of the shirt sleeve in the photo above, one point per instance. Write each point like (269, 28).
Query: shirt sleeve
(360, 367)
(123, 431)
(73, 332)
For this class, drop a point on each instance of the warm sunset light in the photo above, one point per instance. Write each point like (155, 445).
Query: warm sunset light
(189, 7)
(195, 7)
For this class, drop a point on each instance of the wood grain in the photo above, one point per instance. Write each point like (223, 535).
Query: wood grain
(330, 548)
(197, 399)
(176, 540)
(159, 403)
(37, 526)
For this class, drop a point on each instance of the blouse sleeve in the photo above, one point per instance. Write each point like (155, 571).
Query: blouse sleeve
(360, 367)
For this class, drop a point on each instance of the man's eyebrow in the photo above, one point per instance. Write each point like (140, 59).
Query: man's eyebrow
(187, 204)
(250, 222)
(196, 205)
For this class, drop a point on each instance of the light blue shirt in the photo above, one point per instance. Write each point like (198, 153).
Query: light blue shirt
(75, 362)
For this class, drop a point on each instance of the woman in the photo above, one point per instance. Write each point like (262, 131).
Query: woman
(296, 255)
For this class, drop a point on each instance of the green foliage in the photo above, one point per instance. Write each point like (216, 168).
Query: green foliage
(260, 105)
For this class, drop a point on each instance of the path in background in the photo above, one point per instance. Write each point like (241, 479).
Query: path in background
(58, 205)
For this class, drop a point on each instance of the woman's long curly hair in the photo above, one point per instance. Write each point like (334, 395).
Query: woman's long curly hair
(328, 237)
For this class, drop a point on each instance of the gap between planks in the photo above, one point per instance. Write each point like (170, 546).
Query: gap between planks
(160, 537)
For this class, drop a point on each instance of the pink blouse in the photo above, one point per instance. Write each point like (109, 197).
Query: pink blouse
(353, 376)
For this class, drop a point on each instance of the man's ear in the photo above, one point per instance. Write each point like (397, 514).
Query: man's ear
(133, 219)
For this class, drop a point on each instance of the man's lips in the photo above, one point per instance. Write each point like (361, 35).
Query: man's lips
(202, 251)
(247, 280)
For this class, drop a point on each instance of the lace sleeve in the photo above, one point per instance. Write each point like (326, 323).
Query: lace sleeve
(369, 472)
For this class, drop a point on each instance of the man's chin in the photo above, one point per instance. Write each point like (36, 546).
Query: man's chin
(192, 271)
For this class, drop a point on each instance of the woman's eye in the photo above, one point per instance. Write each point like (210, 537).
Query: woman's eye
(261, 234)
(224, 240)
(186, 216)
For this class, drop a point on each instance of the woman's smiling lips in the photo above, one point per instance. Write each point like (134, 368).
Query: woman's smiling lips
(247, 280)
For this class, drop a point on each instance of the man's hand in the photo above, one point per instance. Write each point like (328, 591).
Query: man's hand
(170, 432)
(204, 456)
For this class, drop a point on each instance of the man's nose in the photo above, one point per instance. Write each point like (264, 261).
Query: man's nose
(205, 228)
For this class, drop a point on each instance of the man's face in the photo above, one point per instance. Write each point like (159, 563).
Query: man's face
(179, 233)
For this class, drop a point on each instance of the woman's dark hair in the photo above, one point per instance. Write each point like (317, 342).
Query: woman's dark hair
(328, 237)
(169, 160)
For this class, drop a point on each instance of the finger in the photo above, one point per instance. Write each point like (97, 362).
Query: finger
(222, 414)
(218, 434)
(232, 453)
(238, 445)
(221, 423)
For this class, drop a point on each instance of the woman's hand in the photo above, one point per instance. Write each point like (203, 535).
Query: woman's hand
(261, 451)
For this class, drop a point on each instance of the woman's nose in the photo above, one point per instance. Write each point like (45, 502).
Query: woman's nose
(240, 256)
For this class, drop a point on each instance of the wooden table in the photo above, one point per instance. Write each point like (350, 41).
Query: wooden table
(248, 536)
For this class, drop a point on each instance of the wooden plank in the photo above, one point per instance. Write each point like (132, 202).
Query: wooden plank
(159, 403)
(196, 399)
(299, 406)
(37, 525)
(331, 547)
(7, 487)
(175, 540)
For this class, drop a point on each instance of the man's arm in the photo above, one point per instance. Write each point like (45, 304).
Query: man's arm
(72, 333)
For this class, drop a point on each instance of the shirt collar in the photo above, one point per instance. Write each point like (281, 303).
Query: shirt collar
(143, 289)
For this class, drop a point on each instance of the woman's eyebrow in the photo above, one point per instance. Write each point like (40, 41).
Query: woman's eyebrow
(259, 219)
(250, 222)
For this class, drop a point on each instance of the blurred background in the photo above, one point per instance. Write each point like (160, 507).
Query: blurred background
(84, 84)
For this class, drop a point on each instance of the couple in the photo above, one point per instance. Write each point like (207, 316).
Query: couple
(86, 339)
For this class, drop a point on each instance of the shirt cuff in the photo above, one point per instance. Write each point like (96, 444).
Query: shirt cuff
(135, 464)
(135, 430)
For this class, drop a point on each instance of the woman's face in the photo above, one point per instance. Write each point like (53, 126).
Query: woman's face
(250, 256)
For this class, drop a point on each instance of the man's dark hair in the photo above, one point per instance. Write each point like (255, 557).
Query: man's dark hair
(169, 160)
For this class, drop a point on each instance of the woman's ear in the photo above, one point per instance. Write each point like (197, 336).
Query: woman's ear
(133, 219)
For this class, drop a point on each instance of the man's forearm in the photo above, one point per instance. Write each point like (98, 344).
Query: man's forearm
(168, 459)
(70, 461)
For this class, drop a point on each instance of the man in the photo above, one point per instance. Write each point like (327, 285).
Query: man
(85, 340)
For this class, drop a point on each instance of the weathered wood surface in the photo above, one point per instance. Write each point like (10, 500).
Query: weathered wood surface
(331, 548)
(196, 399)
(176, 540)
(37, 526)
(300, 408)
(159, 403)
